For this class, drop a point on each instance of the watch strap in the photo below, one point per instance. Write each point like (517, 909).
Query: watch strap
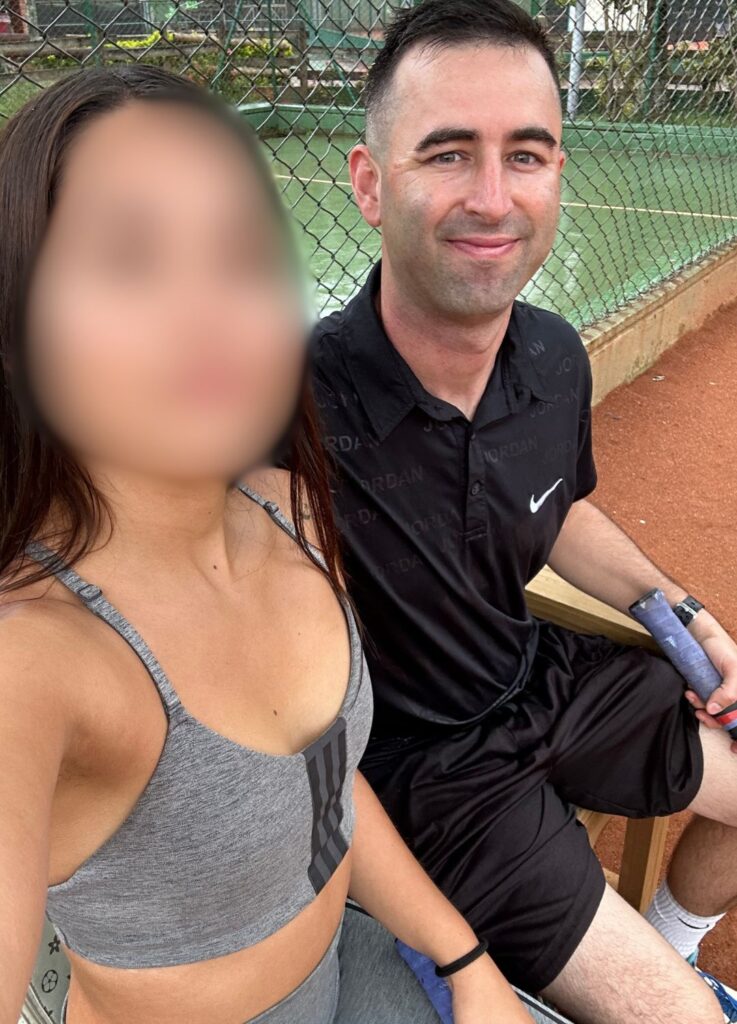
(687, 609)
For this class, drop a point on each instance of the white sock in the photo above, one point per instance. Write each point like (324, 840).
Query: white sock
(679, 926)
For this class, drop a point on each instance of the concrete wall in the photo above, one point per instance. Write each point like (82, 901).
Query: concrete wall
(627, 343)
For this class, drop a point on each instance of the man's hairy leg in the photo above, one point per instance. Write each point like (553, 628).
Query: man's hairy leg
(703, 870)
(624, 972)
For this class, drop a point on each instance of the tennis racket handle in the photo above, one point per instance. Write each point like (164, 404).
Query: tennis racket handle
(654, 613)
(436, 989)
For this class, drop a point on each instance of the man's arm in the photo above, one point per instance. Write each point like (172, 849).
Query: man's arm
(595, 555)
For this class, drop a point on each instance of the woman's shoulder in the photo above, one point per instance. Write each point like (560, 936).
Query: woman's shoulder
(44, 646)
(36, 653)
(63, 677)
(34, 620)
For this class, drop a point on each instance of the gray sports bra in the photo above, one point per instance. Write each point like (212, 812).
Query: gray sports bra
(225, 844)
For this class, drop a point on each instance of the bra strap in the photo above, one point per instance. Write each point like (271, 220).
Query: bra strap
(279, 518)
(288, 526)
(98, 604)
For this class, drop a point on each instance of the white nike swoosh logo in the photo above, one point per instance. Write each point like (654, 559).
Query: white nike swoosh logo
(535, 505)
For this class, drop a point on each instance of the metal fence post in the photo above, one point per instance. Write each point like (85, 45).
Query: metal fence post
(93, 30)
(654, 56)
(575, 73)
(272, 54)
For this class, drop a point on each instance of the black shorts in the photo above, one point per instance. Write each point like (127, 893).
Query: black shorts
(489, 810)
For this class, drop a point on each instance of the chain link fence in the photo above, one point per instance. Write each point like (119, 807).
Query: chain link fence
(650, 98)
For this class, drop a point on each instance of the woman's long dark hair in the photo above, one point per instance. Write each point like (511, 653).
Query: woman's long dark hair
(36, 473)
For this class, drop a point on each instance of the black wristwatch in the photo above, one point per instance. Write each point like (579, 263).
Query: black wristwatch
(687, 609)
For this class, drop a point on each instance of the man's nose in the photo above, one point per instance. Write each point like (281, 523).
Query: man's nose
(490, 195)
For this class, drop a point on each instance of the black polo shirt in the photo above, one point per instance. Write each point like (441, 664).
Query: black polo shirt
(445, 520)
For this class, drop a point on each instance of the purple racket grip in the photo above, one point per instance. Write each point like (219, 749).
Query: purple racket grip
(436, 989)
(689, 657)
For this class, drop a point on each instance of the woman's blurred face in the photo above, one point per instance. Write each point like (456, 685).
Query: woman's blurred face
(165, 330)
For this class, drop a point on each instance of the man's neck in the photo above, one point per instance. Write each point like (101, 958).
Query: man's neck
(453, 360)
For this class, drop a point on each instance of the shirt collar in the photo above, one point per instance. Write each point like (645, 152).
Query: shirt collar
(383, 380)
(389, 389)
(524, 354)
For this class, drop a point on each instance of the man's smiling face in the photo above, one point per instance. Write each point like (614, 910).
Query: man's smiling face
(467, 146)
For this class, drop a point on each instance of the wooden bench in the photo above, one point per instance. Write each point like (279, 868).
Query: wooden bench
(550, 597)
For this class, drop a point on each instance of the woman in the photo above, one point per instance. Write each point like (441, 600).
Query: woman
(195, 839)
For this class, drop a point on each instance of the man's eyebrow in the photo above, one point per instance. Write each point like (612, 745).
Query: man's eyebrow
(533, 133)
(442, 135)
(529, 133)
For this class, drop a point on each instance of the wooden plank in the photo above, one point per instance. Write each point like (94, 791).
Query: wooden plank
(551, 597)
(612, 878)
(642, 859)
(593, 821)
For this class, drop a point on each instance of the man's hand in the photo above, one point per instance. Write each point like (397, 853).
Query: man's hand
(595, 555)
(722, 652)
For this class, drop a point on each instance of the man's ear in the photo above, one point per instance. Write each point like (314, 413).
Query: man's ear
(563, 158)
(366, 181)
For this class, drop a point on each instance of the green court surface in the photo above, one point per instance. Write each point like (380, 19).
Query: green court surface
(628, 220)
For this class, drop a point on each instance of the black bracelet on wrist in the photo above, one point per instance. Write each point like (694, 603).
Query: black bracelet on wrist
(463, 961)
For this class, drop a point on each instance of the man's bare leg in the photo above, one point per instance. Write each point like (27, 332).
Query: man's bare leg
(703, 870)
(624, 972)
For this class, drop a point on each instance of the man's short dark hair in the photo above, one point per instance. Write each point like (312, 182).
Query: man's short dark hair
(440, 23)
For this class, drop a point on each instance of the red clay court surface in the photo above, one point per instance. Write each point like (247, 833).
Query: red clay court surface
(665, 450)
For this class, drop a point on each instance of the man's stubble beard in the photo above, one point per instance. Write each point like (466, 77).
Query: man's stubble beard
(480, 291)
(446, 291)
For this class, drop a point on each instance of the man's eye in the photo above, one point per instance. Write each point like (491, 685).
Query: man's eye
(447, 158)
(526, 159)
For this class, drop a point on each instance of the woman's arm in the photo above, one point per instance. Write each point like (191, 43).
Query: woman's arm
(33, 735)
(390, 884)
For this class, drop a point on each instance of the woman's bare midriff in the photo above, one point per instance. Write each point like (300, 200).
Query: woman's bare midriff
(230, 989)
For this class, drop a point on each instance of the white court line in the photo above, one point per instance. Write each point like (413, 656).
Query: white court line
(645, 209)
(583, 206)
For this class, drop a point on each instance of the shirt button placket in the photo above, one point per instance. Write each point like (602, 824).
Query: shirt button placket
(475, 518)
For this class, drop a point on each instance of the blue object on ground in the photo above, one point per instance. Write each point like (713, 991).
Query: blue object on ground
(437, 989)
(439, 994)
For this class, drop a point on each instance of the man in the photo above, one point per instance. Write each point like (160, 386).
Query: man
(459, 418)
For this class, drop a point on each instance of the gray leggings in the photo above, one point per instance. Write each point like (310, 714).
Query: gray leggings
(360, 979)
